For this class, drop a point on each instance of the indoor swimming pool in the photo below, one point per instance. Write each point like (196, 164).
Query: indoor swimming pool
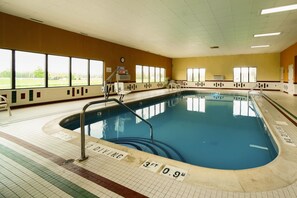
(213, 130)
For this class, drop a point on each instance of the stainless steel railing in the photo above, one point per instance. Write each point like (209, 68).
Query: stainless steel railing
(82, 123)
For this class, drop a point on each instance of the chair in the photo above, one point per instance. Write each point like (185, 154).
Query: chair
(4, 105)
(119, 88)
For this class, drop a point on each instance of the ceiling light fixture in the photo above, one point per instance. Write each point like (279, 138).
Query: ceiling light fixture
(267, 34)
(259, 46)
(279, 9)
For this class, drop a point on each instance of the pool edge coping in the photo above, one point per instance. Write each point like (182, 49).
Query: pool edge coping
(236, 174)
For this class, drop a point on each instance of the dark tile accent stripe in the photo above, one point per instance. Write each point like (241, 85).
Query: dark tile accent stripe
(278, 106)
(46, 174)
(13, 97)
(102, 181)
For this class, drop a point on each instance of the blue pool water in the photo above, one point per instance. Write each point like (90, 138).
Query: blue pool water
(209, 130)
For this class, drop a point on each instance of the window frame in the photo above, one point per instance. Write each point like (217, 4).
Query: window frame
(48, 72)
(195, 73)
(141, 74)
(10, 69)
(19, 52)
(242, 72)
(89, 73)
(158, 72)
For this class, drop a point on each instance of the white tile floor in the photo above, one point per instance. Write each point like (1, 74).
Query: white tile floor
(28, 124)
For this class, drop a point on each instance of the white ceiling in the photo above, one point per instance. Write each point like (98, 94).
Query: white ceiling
(172, 28)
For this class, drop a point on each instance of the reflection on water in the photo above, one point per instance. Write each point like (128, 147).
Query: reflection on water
(151, 111)
(120, 123)
(243, 108)
(95, 129)
(196, 104)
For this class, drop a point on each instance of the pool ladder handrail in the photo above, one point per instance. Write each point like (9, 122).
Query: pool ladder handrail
(252, 89)
(82, 123)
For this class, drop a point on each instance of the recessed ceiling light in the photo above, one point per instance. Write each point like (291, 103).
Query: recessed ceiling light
(259, 46)
(279, 9)
(267, 34)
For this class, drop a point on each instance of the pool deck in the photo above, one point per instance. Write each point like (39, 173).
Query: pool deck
(38, 158)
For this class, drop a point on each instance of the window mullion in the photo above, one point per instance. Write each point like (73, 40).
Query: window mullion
(46, 70)
(13, 73)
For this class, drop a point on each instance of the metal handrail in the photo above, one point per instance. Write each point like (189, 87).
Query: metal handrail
(252, 89)
(248, 94)
(108, 80)
(82, 123)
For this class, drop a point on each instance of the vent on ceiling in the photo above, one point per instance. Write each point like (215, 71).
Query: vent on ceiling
(214, 47)
(36, 20)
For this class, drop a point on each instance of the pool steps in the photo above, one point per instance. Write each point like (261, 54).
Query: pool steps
(156, 147)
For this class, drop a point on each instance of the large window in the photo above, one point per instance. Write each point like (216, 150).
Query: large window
(152, 74)
(145, 70)
(5, 68)
(79, 71)
(58, 71)
(149, 74)
(19, 69)
(158, 74)
(195, 74)
(30, 69)
(138, 73)
(96, 72)
(162, 74)
(245, 74)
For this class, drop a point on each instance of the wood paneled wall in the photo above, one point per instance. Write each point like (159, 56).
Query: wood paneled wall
(21, 34)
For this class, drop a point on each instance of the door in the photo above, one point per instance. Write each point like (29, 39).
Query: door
(291, 79)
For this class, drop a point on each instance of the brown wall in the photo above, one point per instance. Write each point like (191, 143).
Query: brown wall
(20, 34)
(288, 57)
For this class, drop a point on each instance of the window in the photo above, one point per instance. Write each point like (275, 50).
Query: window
(152, 74)
(149, 74)
(158, 75)
(196, 74)
(145, 70)
(138, 73)
(245, 74)
(162, 75)
(5, 68)
(79, 71)
(189, 74)
(202, 74)
(58, 71)
(236, 72)
(30, 69)
(96, 72)
(253, 74)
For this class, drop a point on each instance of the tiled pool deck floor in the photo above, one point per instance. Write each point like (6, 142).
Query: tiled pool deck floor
(34, 163)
